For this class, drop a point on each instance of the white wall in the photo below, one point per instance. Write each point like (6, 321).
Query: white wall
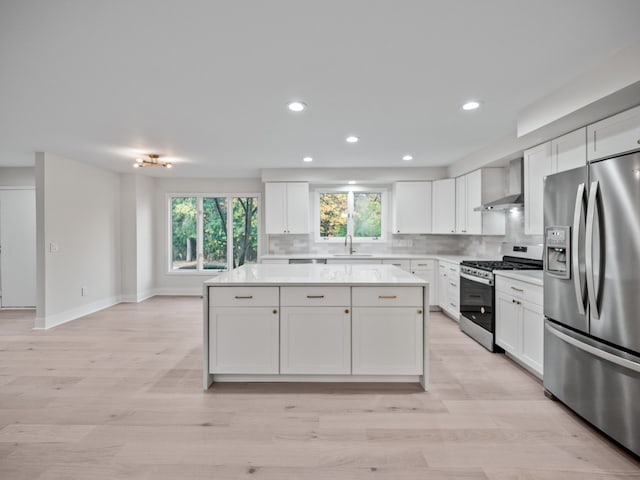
(183, 283)
(17, 177)
(146, 241)
(78, 209)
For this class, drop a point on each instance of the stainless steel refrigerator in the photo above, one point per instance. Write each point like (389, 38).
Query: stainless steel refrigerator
(592, 294)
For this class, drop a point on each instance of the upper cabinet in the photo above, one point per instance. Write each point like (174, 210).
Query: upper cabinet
(614, 135)
(472, 190)
(569, 151)
(558, 155)
(412, 207)
(286, 208)
(444, 206)
(537, 165)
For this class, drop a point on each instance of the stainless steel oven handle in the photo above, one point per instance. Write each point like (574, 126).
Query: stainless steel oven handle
(484, 281)
(575, 248)
(591, 214)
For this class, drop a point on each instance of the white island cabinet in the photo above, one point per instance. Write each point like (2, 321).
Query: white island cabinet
(311, 323)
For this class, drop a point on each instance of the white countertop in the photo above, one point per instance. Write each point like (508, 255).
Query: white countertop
(316, 274)
(535, 277)
(379, 256)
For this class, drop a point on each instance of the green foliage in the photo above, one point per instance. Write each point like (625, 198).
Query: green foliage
(367, 217)
(333, 214)
(183, 228)
(214, 235)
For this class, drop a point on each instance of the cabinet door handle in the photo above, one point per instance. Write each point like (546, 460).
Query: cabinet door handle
(452, 304)
(419, 311)
(315, 296)
(275, 311)
(244, 297)
(346, 310)
(387, 296)
(517, 289)
(452, 269)
(453, 284)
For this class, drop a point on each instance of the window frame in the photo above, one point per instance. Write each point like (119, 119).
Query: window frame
(350, 190)
(200, 230)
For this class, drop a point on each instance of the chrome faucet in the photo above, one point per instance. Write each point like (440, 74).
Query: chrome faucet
(349, 239)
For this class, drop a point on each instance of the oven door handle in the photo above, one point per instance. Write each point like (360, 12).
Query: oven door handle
(485, 281)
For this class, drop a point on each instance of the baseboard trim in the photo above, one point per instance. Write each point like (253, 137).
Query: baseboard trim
(179, 292)
(137, 298)
(50, 321)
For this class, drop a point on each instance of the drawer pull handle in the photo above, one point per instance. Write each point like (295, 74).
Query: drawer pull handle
(244, 297)
(275, 311)
(517, 289)
(315, 296)
(452, 269)
(387, 296)
(346, 310)
(453, 284)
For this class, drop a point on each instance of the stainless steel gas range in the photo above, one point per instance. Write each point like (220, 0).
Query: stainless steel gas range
(477, 291)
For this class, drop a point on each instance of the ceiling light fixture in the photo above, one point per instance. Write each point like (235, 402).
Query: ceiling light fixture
(296, 106)
(471, 105)
(352, 139)
(151, 162)
(307, 159)
(406, 158)
(352, 182)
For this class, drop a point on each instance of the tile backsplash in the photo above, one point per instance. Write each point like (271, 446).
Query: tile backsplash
(412, 244)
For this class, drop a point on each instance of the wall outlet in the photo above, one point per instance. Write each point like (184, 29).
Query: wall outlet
(85, 291)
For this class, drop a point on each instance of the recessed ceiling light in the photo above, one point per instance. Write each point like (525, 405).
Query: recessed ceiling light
(352, 139)
(296, 106)
(307, 159)
(406, 158)
(352, 182)
(471, 105)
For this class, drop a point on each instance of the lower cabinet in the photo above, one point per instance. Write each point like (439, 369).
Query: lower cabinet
(315, 340)
(520, 321)
(243, 340)
(387, 341)
(426, 269)
(449, 288)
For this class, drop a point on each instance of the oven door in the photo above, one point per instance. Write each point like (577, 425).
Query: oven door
(476, 302)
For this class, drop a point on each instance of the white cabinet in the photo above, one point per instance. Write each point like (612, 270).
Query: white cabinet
(520, 321)
(474, 189)
(614, 135)
(286, 208)
(569, 151)
(444, 206)
(412, 207)
(449, 288)
(558, 155)
(426, 269)
(537, 165)
(315, 340)
(387, 330)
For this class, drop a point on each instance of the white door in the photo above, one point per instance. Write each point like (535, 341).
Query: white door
(569, 151)
(537, 165)
(474, 199)
(508, 323)
(461, 204)
(412, 207)
(275, 207)
(297, 208)
(18, 248)
(444, 206)
(533, 335)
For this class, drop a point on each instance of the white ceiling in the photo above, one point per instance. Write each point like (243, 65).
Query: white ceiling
(207, 82)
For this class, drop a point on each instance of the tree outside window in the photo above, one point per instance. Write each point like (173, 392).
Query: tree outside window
(359, 214)
(213, 233)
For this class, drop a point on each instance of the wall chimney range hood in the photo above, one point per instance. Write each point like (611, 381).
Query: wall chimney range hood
(515, 198)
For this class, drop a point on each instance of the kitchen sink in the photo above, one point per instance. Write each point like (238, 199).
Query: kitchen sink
(353, 254)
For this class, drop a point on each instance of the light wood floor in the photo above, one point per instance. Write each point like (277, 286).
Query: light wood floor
(118, 395)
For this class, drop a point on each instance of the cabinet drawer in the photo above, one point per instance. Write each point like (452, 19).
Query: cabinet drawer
(423, 265)
(387, 296)
(403, 264)
(243, 296)
(521, 290)
(315, 296)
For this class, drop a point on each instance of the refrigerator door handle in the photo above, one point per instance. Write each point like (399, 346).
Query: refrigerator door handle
(622, 362)
(575, 245)
(591, 214)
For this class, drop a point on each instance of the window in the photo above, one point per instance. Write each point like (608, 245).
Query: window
(357, 213)
(213, 232)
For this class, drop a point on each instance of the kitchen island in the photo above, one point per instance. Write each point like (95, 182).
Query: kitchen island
(316, 323)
